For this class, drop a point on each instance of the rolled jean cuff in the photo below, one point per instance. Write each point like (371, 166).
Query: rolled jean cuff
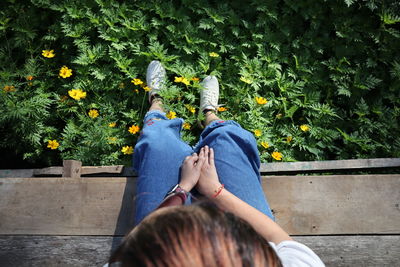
(155, 114)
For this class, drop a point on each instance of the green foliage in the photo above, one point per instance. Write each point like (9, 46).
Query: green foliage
(333, 68)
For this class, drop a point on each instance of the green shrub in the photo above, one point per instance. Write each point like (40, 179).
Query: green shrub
(330, 73)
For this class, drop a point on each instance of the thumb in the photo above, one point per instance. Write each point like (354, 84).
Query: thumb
(195, 157)
(200, 163)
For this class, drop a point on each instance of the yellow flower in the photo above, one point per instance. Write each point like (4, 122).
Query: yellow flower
(127, 150)
(48, 53)
(53, 144)
(264, 144)
(93, 113)
(191, 108)
(213, 54)
(245, 80)
(171, 115)
(181, 80)
(186, 126)
(304, 127)
(137, 81)
(257, 132)
(65, 72)
(112, 124)
(9, 88)
(195, 79)
(261, 100)
(277, 155)
(178, 79)
(134, 129)
(137, 91)
(77, 94)
(185, 81)
(146, 88)
(289, 139)
(221, 109)
(30, 78)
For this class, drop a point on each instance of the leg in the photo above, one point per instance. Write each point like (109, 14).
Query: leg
(159, 152)
(237, 161)
(158, 156)
(236, 155)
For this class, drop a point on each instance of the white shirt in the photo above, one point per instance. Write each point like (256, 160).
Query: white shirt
(292, 253)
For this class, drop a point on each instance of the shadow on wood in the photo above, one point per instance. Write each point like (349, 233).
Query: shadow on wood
(125, 221)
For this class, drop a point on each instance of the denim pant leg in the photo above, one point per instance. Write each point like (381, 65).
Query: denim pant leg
(158, 156)
(237, 161)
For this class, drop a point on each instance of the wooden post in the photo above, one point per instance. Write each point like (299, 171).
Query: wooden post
(72, 168)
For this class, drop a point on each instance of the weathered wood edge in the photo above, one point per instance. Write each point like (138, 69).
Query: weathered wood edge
(339, 251)
(116, 169)
(330, 165)
(50, 171)
(266, 168)
(88, 171)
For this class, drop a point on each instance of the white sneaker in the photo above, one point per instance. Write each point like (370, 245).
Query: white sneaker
(155, 77)
(209, 95)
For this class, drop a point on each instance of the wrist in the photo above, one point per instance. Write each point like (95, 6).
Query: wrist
(218, 191)
(177, 196)
(221, 199)
(186, 186)
(214, 190)
(178, 190)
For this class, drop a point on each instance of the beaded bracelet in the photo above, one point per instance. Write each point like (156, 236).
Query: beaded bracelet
(179, 191)
(218, 191)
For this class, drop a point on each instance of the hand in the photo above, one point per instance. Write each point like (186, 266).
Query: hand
(208, 181)
(190, 170)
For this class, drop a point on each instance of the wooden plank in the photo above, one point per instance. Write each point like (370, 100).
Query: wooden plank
(17, 173)
(303, 205)
(66, 206)
(50, 171)
(330, 165)
(94, 250)
(355, 250)
(55, 250)
(266, 168)
(115, 171)
(102, 169)
(85, 170)
(72, 168)
(335, 204)
(108, 171)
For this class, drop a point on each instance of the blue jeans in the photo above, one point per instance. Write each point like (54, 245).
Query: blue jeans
(159, 153)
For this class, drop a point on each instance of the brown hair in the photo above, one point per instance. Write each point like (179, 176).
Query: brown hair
(194, 235)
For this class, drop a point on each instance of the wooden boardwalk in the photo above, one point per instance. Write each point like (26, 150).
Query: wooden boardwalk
(60, 216)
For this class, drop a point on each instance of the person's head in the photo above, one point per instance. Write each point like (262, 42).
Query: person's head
(194, 235)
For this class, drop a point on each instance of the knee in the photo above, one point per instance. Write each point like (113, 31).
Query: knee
(152, 142)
